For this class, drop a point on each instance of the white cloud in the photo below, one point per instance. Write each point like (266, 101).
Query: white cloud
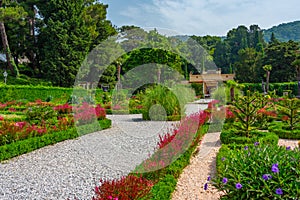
(208, 17)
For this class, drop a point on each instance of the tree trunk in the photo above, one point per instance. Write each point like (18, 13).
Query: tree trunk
(268, 78)
(232, 94)
(6, 47)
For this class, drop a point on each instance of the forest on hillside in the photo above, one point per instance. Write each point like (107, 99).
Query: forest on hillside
(284, 32)
(49, 40)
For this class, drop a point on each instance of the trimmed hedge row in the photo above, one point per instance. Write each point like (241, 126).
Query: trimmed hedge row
(230, 136)
(25, 146)
(283, 131)
(279, 87)
(45, 93)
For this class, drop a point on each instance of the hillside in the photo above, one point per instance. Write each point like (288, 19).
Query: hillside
(284, 32)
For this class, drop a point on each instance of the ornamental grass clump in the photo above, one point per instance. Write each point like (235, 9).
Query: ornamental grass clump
(258, 172)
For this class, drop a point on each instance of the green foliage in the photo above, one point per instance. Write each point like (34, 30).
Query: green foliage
(230, 136)
(164, 188)
(257, 172)
(40, 113)
(245, 109)
(31, 93)
(281, 56)
(278, 87)
(198, 87)
(24, 146)
(249, 62)
(284, 131)
(290, 109)
(284, 32)
(160, 95)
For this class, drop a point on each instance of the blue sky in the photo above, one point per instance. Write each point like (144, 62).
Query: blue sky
(202, 17)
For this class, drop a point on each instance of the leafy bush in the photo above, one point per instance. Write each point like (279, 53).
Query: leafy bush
(258, 172)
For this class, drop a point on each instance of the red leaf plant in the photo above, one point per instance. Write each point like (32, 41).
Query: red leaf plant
(127, 188)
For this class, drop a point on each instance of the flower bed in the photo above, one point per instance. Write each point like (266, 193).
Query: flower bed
(44, 124)
(250, 164)
(258, 172)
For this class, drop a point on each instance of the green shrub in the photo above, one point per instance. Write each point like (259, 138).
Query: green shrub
(39, 113)
(164, 188)
(263, 171)
(283, 131)
(231, 136)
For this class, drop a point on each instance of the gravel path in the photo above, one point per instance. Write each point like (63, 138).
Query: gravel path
(72, 168)
(203, 164)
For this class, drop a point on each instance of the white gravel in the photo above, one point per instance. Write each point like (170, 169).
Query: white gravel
(72, 168)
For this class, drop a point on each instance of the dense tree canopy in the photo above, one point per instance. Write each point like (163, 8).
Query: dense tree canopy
(50, 39)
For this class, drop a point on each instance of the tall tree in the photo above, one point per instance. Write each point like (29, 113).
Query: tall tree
(65, 41)
(281, 57)
(247, 68)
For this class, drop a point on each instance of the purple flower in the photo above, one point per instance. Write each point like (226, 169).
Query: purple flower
(256, 143)
(225, 180)
(288, 148)
(266, 177)
(208, 178)
(279, 191)
(246, 148)
(275, 168)
(223, 159)
(238, 186)
(205, 186)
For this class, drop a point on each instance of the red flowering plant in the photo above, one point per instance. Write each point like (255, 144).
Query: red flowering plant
(14, 131)
(126, 188)
(63, 109)
(173, 144)
(265, 116)
(86, 113)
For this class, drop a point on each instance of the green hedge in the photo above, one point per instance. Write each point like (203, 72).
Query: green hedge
(164, 188)
(230, 136)
(25, 146)
(279, 87)
(32, 93)
(283, 131)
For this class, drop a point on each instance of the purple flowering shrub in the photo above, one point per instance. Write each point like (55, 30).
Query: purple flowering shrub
(258, 171)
